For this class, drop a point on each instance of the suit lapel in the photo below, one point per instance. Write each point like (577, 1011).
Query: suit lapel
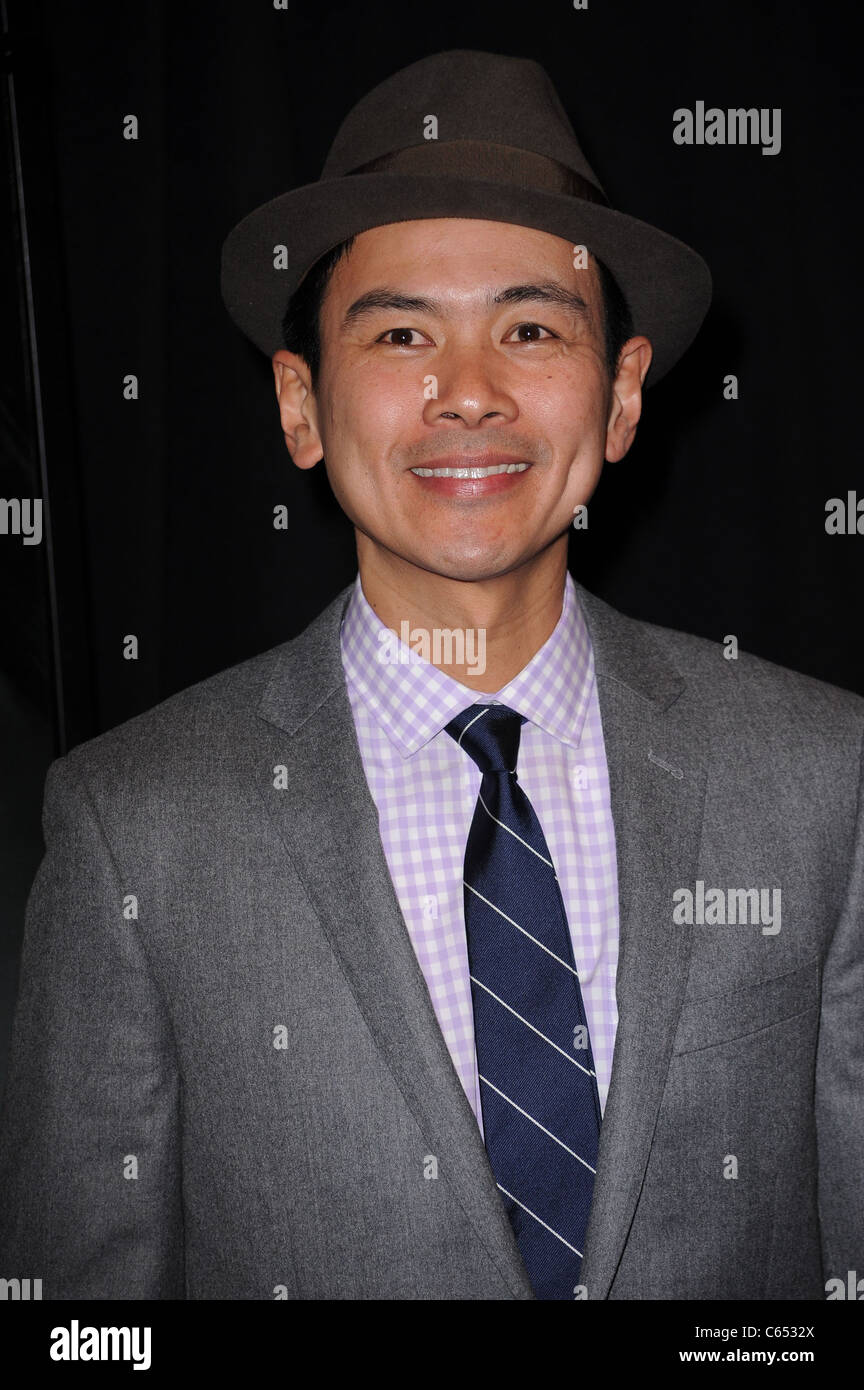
(657, 786)
(329, 824)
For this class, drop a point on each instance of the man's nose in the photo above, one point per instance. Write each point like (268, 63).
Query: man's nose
(470, 386)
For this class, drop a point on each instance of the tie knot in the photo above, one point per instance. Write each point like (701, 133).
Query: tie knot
(490, 735)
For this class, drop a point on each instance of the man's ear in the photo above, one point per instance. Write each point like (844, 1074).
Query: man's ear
(626, 405)
(298, 414)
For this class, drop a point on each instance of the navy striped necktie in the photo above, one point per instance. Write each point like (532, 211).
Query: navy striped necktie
(540, 1105)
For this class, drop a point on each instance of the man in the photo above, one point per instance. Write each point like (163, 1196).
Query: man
(480, 943)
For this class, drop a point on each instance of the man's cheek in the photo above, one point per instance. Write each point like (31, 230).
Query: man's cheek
(391, 411)
(372, 413)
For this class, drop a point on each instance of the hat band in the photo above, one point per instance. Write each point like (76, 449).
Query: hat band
(490, 162)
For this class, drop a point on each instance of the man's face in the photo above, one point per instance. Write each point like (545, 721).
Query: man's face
(459, 343)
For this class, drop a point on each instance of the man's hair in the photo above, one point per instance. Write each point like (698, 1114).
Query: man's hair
(301, 325)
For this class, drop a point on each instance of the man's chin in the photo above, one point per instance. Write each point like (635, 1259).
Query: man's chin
(446, 558)
(474, 569)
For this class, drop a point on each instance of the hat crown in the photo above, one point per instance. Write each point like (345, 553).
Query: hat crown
(504, 151)
(473, 96)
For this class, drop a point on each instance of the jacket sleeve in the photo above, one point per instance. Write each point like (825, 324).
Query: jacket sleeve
(90, 1180)
(840, 1081)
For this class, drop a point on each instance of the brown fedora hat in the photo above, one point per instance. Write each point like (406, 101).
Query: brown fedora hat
(502, 149)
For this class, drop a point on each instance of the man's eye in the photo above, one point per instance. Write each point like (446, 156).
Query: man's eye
(534, 329)
(401, 337)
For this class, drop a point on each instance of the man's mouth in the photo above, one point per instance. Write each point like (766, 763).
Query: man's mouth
(489, 472)
(476, 478)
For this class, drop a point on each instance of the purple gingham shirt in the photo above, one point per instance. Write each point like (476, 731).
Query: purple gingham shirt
(425, 788)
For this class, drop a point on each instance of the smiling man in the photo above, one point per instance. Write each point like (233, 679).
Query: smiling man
(462, 496)
(383, 965)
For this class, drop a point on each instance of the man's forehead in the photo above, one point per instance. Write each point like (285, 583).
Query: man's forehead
(505, 252)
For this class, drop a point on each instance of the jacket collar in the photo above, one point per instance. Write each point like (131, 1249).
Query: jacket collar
(307, 671)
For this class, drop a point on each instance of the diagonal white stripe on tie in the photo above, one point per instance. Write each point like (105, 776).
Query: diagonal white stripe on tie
(537, 1218)
(505, 1005)
(487, 1082)
(522, 929)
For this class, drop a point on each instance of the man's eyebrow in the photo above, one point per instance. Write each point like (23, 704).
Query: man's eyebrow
(383, 298)
(545, 291)
(548, 292)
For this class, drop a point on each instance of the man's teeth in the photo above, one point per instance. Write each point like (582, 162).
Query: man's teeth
(470, 472)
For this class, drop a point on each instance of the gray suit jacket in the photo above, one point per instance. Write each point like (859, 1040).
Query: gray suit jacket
(238, 1092)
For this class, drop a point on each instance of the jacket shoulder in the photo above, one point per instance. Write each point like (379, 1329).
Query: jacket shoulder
(201, 708)
(742, 681)
(214, 712)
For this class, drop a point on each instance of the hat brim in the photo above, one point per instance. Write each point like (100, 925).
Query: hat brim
(666, 283)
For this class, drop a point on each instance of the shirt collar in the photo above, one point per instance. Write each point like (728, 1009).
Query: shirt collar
(411, 700)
